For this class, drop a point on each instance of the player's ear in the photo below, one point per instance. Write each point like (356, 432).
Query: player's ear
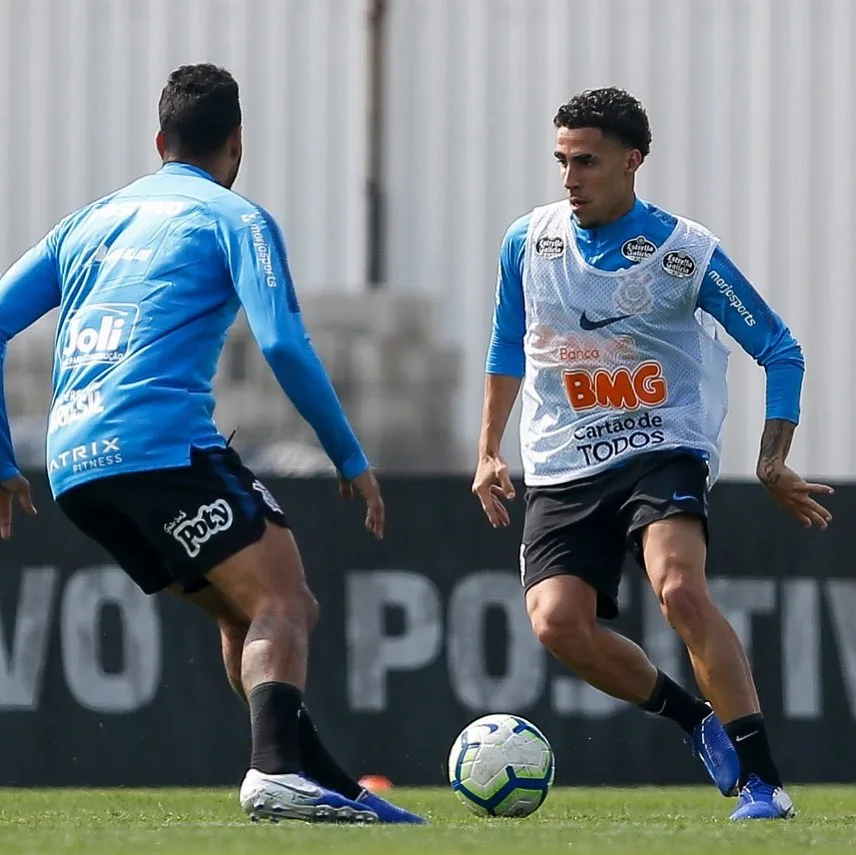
(634, 160)
(160, 144)
(236, 143)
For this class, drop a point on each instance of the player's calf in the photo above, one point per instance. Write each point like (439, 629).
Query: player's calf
(562, 611)
(674, 553)
(264, 585)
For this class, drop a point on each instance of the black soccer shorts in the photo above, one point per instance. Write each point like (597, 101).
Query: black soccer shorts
(174, 525)
(584, 528)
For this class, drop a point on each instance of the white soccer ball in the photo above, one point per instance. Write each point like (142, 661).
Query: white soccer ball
(501, 765)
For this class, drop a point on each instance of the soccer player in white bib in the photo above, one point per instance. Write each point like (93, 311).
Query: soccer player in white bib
(605, 309)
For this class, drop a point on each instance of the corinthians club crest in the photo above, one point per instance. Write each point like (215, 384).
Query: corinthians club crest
(633, 296)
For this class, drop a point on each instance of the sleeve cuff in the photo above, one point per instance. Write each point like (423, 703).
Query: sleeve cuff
(354, 465)
(8, 470)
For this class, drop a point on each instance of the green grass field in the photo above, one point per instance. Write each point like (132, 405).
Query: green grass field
(574, 821)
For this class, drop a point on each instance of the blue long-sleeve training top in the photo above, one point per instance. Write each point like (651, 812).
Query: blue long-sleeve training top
(148, 281)
(725, 294)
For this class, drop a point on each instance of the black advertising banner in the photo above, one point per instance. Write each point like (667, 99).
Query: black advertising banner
(419, 634)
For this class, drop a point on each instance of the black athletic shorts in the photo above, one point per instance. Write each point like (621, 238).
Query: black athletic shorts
(584, 528)
(174, 525)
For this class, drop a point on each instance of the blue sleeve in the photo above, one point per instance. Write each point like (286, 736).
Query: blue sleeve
(256, 256)
(729, 297)
(29, 289)
(505, 352)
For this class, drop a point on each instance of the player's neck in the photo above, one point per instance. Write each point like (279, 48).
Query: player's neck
(210, 165)
(620, 211)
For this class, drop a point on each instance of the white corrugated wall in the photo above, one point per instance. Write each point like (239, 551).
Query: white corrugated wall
(751, 103)
(79, 84)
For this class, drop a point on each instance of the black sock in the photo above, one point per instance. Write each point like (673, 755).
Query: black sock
(671, 701)
(317, 762)
(749, 735)
(274, 710)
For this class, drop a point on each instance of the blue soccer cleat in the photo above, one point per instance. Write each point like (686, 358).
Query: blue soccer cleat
(295, 796)
(388, 812)
(763, 801)
(712, 744)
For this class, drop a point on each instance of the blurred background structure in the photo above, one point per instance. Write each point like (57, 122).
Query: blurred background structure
(395, 140)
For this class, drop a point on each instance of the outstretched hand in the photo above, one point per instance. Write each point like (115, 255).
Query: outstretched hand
(17, 487)
(491, 485)
(367, 486)
(794, 495)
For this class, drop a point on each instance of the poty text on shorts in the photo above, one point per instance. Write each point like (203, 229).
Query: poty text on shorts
(209, 520)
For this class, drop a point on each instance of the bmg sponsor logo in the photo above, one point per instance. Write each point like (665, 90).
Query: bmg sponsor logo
(98, 333)
(621, 389)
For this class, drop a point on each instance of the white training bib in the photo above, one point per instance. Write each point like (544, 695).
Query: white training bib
(617, 363)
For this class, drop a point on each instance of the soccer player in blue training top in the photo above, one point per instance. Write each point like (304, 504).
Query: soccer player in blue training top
(604, 311)
(148, 281)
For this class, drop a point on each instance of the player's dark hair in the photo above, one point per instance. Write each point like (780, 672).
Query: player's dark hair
(199, 107)
(614, 111)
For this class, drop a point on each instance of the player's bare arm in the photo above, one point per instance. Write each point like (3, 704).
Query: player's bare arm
(492, 483)
(789, 490)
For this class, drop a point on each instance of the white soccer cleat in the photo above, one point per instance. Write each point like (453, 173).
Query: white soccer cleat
(294, 796)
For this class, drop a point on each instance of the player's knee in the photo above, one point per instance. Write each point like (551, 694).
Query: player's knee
(684, 604)
(302, 608)
(293, 611)
(567, 634)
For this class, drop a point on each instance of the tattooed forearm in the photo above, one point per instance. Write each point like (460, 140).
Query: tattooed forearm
(775, 445)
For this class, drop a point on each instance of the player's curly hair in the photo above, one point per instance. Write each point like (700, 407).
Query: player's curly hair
(613, 110)
(199, 107)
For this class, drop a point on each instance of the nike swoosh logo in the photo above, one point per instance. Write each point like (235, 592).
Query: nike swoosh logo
(294, 785)
(676, 497)
(746, 736)
(587, 324)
